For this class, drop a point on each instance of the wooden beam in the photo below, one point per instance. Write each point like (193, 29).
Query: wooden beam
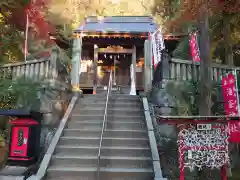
(113, 41)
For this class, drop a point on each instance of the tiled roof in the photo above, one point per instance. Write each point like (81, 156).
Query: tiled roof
(121, 24)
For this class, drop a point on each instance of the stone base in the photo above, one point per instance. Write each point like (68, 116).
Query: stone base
(13, 171)
(12, 177)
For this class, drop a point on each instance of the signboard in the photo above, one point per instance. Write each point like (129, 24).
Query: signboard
(83, 67)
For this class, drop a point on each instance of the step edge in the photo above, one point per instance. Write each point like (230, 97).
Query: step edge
(125, 158)
(104, 147)
(106, 138)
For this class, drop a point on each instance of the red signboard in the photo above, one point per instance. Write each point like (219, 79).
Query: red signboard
(231, 105)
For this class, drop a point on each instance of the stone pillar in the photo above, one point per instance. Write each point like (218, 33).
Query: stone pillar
(147, 66)
(76, 59)
(53, 66)
(160, 97)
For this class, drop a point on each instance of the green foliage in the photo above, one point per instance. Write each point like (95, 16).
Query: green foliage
(182, 51)
(11, 39)
(2, 141)
(24, 93)
(186, 96)
(14, 3)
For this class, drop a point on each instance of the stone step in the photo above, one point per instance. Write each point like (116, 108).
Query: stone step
(111, 107)
(66, 173)
(125, 162)
(92, 125)
(126, 173)
(105, 151)
(105, 161)
(113, 96)
(94, 117)
(69, 160)
(114, 112)
(71, 173)
(120, 133)
(81, 132)
(110, 100)
(118, 142)
(110, 125)
(112, 103)
(130, 142)
(71, 140)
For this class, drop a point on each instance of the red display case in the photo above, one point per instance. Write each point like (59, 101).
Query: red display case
(24, 140)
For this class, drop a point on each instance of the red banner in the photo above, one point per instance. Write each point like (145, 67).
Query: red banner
(231, 105)
(193, 43)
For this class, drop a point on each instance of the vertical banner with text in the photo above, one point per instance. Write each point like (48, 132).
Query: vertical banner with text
(230, 96)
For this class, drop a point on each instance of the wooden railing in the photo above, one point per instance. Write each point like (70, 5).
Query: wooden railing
(184, 70)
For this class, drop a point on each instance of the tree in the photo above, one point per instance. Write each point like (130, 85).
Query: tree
(13, 24)
(11, 38)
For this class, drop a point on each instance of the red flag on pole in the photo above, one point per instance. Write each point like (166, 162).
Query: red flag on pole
(194, 49)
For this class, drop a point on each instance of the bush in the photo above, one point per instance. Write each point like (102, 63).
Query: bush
(24, 93)
(186, 97)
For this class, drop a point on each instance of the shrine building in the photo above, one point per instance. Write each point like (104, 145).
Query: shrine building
(114, 43)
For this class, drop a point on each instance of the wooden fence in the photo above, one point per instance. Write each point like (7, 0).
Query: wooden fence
(185, 70)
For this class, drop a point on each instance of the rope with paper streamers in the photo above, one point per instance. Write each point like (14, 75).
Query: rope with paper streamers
(203, 148)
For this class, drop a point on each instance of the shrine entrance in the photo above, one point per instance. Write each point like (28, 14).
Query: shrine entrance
(117, 59)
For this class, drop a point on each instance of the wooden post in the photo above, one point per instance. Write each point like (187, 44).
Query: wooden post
(76, 57)
(134, 70)
(95, 63)
(224, 172)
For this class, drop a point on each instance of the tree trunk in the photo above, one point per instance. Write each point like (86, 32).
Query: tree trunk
(205, 69)
(227, 40)
(205, 64)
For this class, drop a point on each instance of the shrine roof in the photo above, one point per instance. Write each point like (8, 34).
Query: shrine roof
(120, 24)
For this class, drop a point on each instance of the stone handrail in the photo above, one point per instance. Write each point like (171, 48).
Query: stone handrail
(51, 66)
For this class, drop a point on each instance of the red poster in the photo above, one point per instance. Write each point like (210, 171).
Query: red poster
(19, 141)
(231, 105)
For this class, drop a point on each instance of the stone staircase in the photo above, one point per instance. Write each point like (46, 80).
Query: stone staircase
(125, 152)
